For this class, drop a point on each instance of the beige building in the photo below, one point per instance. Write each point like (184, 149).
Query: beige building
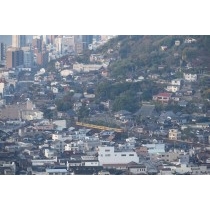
(165, 156)
(14, 57)
(13, 112)
(174, 134)
(18, 40)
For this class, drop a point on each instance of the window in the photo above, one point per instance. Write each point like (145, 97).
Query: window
(123, 154)
(107, 155)
(107, 150)
(131, 154)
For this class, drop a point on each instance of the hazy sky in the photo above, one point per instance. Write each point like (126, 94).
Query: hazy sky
(7, 39)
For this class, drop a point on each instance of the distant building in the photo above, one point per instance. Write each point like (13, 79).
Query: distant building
(177, 43)
(42, 58)
(173, 88)
(190, 77)
(108, 155)
(27, 57)
(174, 134)
(14, 58)
(162, 97)
(37, 44)
(13, 112)
(18, 41)
(86, 41)
(2, 52)
(58, 44)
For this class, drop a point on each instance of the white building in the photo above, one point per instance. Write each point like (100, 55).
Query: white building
(86, 67)
(190, 77)
(155, 148)
(60, 171)
(177, 43)
(49, 153)
(60, 124)
(176, 82)
(2, 87)
(108, 155)
(173, 88)
(58, 44)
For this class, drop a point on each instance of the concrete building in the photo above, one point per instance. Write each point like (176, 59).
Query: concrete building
(68, 44)
(2, 52)
(174, 134)
(173, 88)
(190, 77)
(14, 58)
(162, 97)
(27, 57)
(52, 171)
(155, 148)
(42, 58)
(58, 44)
(13, 112)
(108, 155)
(18, 41)
(80, 67)
(86, 41)
(37, 44)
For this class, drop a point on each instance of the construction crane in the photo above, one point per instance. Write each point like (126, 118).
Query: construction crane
(119, 130)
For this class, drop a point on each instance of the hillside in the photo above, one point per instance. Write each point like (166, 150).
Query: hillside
(133, 54)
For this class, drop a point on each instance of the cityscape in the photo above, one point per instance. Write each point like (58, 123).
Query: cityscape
(104, 105)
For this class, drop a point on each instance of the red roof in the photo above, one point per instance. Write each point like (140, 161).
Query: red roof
(164, 94)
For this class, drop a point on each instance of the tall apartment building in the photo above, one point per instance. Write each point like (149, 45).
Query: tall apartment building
(2, 52)
(14, 57)
(86, 41)
(42, 58)
(27, 57)
(18, 41)
(37, 44)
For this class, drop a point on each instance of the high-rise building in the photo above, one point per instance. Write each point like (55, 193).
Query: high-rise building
(2, 52)
(68, 45)
(18, 41)
(27, 57)
(86, 41)
(37, 43)
(42, 58)
(14, 57)
(58, 43)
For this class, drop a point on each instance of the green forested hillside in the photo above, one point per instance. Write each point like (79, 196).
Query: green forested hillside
(133, 54)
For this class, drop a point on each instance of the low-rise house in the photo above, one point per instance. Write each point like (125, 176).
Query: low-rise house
(165, 156)
(165, 171)
(162, 97)
(190, 77)
(56, 171)
(7, 168)
(177, 43)
(173, 88)
(155, 148)
(177, 82)
(137, 169)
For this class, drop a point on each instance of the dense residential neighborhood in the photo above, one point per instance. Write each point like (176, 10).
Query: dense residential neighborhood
(105, 105)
